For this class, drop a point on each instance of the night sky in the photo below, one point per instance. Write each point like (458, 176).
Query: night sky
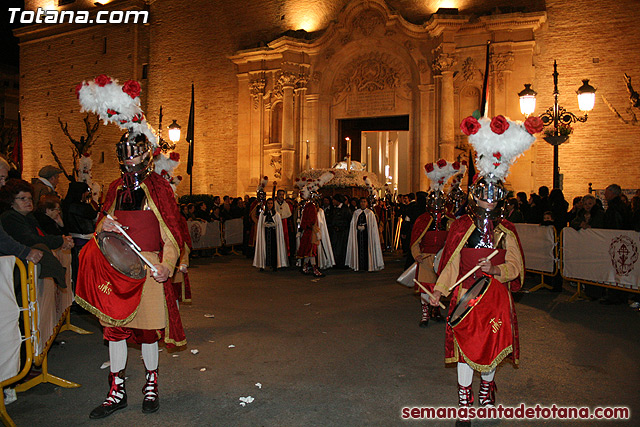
(7, 41)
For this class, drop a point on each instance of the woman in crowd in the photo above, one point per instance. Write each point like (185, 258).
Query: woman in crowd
(575, 208)
(559, 207)
(590, 216)
(20, 223)
(523, 204)
(535, 210)
(79, 216)
(512, 213)
(49, 215)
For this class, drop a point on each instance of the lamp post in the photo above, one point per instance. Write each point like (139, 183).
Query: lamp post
(174, 135)
(557, 116)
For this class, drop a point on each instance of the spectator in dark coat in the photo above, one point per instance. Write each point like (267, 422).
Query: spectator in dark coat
(618, 215)
(575, 208)
(512, 213)
(523, 205)
(535, 210)
(338, 223)
(558, 207)
(635, 213)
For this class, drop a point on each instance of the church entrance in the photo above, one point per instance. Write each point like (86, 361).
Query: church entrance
(382, 145)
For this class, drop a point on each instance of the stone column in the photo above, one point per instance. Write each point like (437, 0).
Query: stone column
(443, 64)
(256, 88)
(311, 128)
(287, 80)
(424, 152)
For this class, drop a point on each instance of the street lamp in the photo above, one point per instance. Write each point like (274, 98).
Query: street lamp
(557, 116)
(174, 132)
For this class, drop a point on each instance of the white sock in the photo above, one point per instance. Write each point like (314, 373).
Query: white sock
(488, 376)
(150, 356)
(118, 355)
(465, 374)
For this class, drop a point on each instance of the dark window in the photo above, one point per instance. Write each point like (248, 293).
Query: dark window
(104, 45)
(145, 71)
(65, 2)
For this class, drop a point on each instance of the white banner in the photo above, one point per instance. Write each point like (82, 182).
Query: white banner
(9, 317)
(204, 235)
(538, 243)
(604, 256)
(233, 231)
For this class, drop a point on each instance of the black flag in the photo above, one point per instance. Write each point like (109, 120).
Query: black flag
(485, 83)
(190, 134)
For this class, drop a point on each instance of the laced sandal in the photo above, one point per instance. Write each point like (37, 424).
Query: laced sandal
(487, 393)
(116, 398)
(435, 314)
(151, 401)
(465, 399)
(317, 272)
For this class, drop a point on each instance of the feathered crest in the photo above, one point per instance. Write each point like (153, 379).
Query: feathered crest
(499, 142)
(164, 165)
(115, 103)
(460, 169)
(439, 173)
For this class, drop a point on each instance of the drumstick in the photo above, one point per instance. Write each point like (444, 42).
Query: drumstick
(428, 293)
(121, 230)
(473, 270)
(135, 247)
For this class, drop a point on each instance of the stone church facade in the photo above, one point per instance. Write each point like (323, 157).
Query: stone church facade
(274, 100)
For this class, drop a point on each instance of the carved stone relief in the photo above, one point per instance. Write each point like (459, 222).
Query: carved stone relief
(500, 63)
(443, 62)
(256, 88)
(469, 70)
(367, 21)
(370, 72)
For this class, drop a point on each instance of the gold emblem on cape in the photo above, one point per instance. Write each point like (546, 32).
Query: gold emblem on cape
(105, 288)
(495, 325)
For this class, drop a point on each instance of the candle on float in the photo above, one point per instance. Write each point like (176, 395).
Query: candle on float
(333, 156)
(369, 168)
(348, 153)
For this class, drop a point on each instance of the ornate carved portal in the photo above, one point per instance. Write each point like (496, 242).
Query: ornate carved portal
(371, 63)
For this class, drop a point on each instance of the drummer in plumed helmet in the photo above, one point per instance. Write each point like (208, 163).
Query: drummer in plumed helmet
(429, 234)
(482, 329)
(141, 207)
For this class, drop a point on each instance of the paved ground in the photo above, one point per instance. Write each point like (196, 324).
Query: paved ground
(342, 350)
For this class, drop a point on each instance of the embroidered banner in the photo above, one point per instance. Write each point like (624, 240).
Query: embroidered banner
(604, 256)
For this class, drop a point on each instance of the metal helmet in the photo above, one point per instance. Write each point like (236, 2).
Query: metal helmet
(489, 191)
(436, 201)
(135, 157)
(456, 198)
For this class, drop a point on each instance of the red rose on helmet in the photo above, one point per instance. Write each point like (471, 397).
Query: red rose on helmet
(470, 126)
(111, 112)
(456, 165)
(499, 124)
(102, 80)
(174, 156)
(464, 162)
(442, 163)
(131, 88)
(156, 152)
(497, 155)
(428, 167)
(533, 124)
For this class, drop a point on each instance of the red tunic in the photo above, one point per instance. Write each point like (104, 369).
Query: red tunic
(309, 226)
(478, 344)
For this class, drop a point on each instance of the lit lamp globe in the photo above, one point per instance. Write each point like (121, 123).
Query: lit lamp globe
(586, 96)
(174, 132)
(527, 100)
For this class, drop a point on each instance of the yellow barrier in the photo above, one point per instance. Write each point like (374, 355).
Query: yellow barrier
(30, 321)
(26, 321)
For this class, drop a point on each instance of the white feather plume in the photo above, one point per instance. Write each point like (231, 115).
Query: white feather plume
(113, 105)
(439, 176)
(496, 153)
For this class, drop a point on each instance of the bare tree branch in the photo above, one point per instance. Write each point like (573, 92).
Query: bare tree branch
(60, 165)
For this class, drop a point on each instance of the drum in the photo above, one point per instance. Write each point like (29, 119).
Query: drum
(121, 254)
(469, 300)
